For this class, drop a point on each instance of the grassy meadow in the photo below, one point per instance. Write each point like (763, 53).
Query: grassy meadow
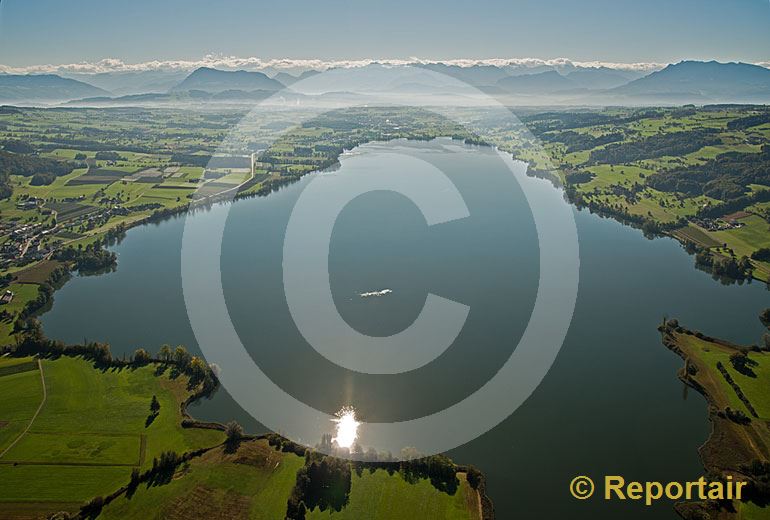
(381, 496)
(91, 431)
(254, 483)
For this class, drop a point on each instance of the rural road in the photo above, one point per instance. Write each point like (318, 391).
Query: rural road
(37, 412)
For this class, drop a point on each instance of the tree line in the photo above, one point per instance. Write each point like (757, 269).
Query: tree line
(578, 141)
(29, 166)
(659, 145)
(324, 482)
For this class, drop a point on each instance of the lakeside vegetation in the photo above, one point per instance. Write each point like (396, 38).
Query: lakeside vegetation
(91, 436)
(734, 380)
(697, 174)
(76, 179)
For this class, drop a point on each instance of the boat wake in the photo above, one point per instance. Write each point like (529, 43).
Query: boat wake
(369, 294)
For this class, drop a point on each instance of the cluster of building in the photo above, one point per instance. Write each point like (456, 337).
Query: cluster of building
(29, 203)
(25, 245)
(710, 224)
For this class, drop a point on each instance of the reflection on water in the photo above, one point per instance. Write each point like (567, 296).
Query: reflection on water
(347, 427)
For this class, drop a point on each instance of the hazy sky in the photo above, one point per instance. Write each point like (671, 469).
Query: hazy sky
(55, 31)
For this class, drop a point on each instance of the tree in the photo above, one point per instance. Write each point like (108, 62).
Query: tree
(742, 363)
(61, 515)
(198, 370)
(141, 357)
(765, 341)
(762, 254)
(92, 508)
(474, 477)
(182, 358)
(234, 433)
(764, 317)
(154, 405)
(165, 352)
(133, 483)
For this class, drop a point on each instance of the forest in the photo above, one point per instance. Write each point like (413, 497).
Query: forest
(672, 144)
(725, 178)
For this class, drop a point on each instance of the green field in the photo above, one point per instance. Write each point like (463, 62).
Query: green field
(381, 496)
(84, 448)
(22, 393)
(254, 483)
(90, 432)
(751, 511)
(697, 235)
(23, 292)
(755, 388)
(733, 444)
(754, 234)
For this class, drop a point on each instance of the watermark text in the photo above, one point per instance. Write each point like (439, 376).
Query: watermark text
(617, 488)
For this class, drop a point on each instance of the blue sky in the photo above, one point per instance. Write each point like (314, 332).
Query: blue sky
(54, 31)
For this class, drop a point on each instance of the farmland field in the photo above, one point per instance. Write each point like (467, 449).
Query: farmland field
(695, 234)
(23, 292)
(253, 483)
(381, 496)
(22, 392)
(91, 431)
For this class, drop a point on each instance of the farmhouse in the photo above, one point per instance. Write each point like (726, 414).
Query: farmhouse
(7, 297)
(30, 203)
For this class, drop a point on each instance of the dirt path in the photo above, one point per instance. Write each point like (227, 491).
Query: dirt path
(478, 502)
(37, 412)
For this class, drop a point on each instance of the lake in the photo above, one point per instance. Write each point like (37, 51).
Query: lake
(611, 403)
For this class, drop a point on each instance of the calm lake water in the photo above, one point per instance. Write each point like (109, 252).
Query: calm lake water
(611, 404)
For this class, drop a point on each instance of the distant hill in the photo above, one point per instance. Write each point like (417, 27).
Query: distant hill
(44, 87)
(138, 82)
(308, 74)
(176, 97)
(287, 79)
(541, 83)
(704, 81)
(600, 77)
(685, 82)
(477, 75)
(213, 80)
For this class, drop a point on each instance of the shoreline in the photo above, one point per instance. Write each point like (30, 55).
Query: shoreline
(274, 183)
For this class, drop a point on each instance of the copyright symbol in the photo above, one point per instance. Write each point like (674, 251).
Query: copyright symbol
(581, 487)
(417, 176)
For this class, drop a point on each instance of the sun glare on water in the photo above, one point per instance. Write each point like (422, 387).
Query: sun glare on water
(347, 427)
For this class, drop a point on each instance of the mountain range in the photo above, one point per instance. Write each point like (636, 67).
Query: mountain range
(684, 82)
(213, 80)
(704, 81)
(44, 87)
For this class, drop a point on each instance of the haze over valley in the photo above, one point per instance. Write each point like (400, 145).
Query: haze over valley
(516, 84)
